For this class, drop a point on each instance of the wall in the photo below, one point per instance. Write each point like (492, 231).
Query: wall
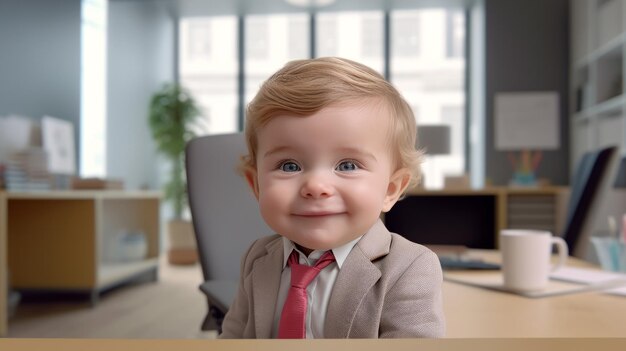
(527, 49)
(40, 59)
(140, 58)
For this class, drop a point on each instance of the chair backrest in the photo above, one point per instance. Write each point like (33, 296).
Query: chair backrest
(590, 172)
(224, 211)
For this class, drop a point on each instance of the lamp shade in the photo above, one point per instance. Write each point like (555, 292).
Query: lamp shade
(434, 139)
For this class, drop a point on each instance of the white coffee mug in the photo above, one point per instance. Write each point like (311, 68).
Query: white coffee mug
(526, 258)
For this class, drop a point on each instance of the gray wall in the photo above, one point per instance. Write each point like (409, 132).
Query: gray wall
(140, 58)
(527, 49)
(40, 59)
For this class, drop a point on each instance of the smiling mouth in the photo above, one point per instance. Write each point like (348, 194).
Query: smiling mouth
(317, 214)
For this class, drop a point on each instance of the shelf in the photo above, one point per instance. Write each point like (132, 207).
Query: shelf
(609, 49)
(110, 273)
(56, 240)
(84, 194)
(597, 92)
(609, 107)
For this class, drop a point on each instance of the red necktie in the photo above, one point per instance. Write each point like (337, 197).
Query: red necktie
(293, 316)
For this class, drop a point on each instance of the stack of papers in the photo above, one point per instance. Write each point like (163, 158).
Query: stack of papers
(591, 277)
(27, 170)
(566, 280)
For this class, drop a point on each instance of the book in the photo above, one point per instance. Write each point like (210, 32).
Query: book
(97, 184)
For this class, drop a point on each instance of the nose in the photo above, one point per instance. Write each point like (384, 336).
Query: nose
(316, 186)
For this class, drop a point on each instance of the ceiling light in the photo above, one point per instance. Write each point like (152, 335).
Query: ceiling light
(310, 3)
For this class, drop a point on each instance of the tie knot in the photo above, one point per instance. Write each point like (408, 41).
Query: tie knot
(302, 275)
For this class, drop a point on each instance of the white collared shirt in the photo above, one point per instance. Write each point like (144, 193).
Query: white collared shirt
(318, 292)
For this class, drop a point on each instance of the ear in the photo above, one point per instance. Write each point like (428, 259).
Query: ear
(398, 182)
(252, 179)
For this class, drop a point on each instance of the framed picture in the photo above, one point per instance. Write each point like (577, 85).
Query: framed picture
(58, 141)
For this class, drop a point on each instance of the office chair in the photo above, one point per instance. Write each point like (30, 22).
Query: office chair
(590, 172)
(225, 217)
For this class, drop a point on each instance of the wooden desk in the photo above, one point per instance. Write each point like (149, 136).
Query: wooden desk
(473, 312)
(55, 240)
(315, 345)
(474, 217)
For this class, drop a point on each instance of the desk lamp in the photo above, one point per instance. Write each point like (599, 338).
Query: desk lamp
(433, 139)
(526, 122)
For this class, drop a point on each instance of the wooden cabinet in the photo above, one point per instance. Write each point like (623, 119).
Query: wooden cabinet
(536, 208)
(58, 240)
(474, 217)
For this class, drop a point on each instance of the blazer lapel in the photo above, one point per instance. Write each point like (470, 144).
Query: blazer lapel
(266, 274)
(356, 277)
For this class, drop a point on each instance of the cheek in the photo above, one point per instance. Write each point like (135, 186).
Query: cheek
(367, 194)
(273, 195)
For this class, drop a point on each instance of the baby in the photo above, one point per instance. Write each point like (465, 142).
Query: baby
(331, 147)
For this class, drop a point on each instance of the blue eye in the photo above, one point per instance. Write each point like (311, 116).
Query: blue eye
(346, 166)
(289, 167)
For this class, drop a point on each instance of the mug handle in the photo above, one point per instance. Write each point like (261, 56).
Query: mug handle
(563, 252)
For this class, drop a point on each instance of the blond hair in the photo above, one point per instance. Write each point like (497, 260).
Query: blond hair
(304, 87)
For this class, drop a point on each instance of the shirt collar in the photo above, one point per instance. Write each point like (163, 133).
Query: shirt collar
(340, 253)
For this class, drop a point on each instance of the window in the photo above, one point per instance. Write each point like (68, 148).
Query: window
(269, 45)
(426, 64)
(352, 35)
(199, 40)
(93, 89)
(211, 75)
(405, 33)
(372, 39)
(257, 38)
(431, 81)
(299, 43)
(326, 36)
(455, 33)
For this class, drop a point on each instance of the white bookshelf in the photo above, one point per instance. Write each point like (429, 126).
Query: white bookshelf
(598, 96)
(598, 45)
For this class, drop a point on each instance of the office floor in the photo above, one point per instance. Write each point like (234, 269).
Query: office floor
(171, 308)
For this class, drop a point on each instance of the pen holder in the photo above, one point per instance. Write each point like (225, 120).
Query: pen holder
(611, 253)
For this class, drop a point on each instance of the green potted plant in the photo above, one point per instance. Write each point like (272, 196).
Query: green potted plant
(172, 115)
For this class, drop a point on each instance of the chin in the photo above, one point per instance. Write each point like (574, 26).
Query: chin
(315, 244)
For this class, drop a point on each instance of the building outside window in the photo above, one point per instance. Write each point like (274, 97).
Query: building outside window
(432, 80)
(208, 68)
(356, 36)
(455, 33)
(270, 42)
(427, 63)
(93, 88)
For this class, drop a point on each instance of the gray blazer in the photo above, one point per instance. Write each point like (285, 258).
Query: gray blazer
(388, 287)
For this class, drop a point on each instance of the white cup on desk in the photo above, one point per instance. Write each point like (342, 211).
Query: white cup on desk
(526, 256)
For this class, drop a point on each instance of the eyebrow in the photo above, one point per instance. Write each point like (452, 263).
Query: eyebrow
(276, 150)
(358, 151)
(350, 150)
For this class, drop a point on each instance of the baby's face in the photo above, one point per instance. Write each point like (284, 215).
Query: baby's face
(323, 180)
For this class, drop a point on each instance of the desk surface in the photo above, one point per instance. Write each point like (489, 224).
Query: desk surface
(305, 345)
(473, 312)
(492, 190)
(302, 345)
